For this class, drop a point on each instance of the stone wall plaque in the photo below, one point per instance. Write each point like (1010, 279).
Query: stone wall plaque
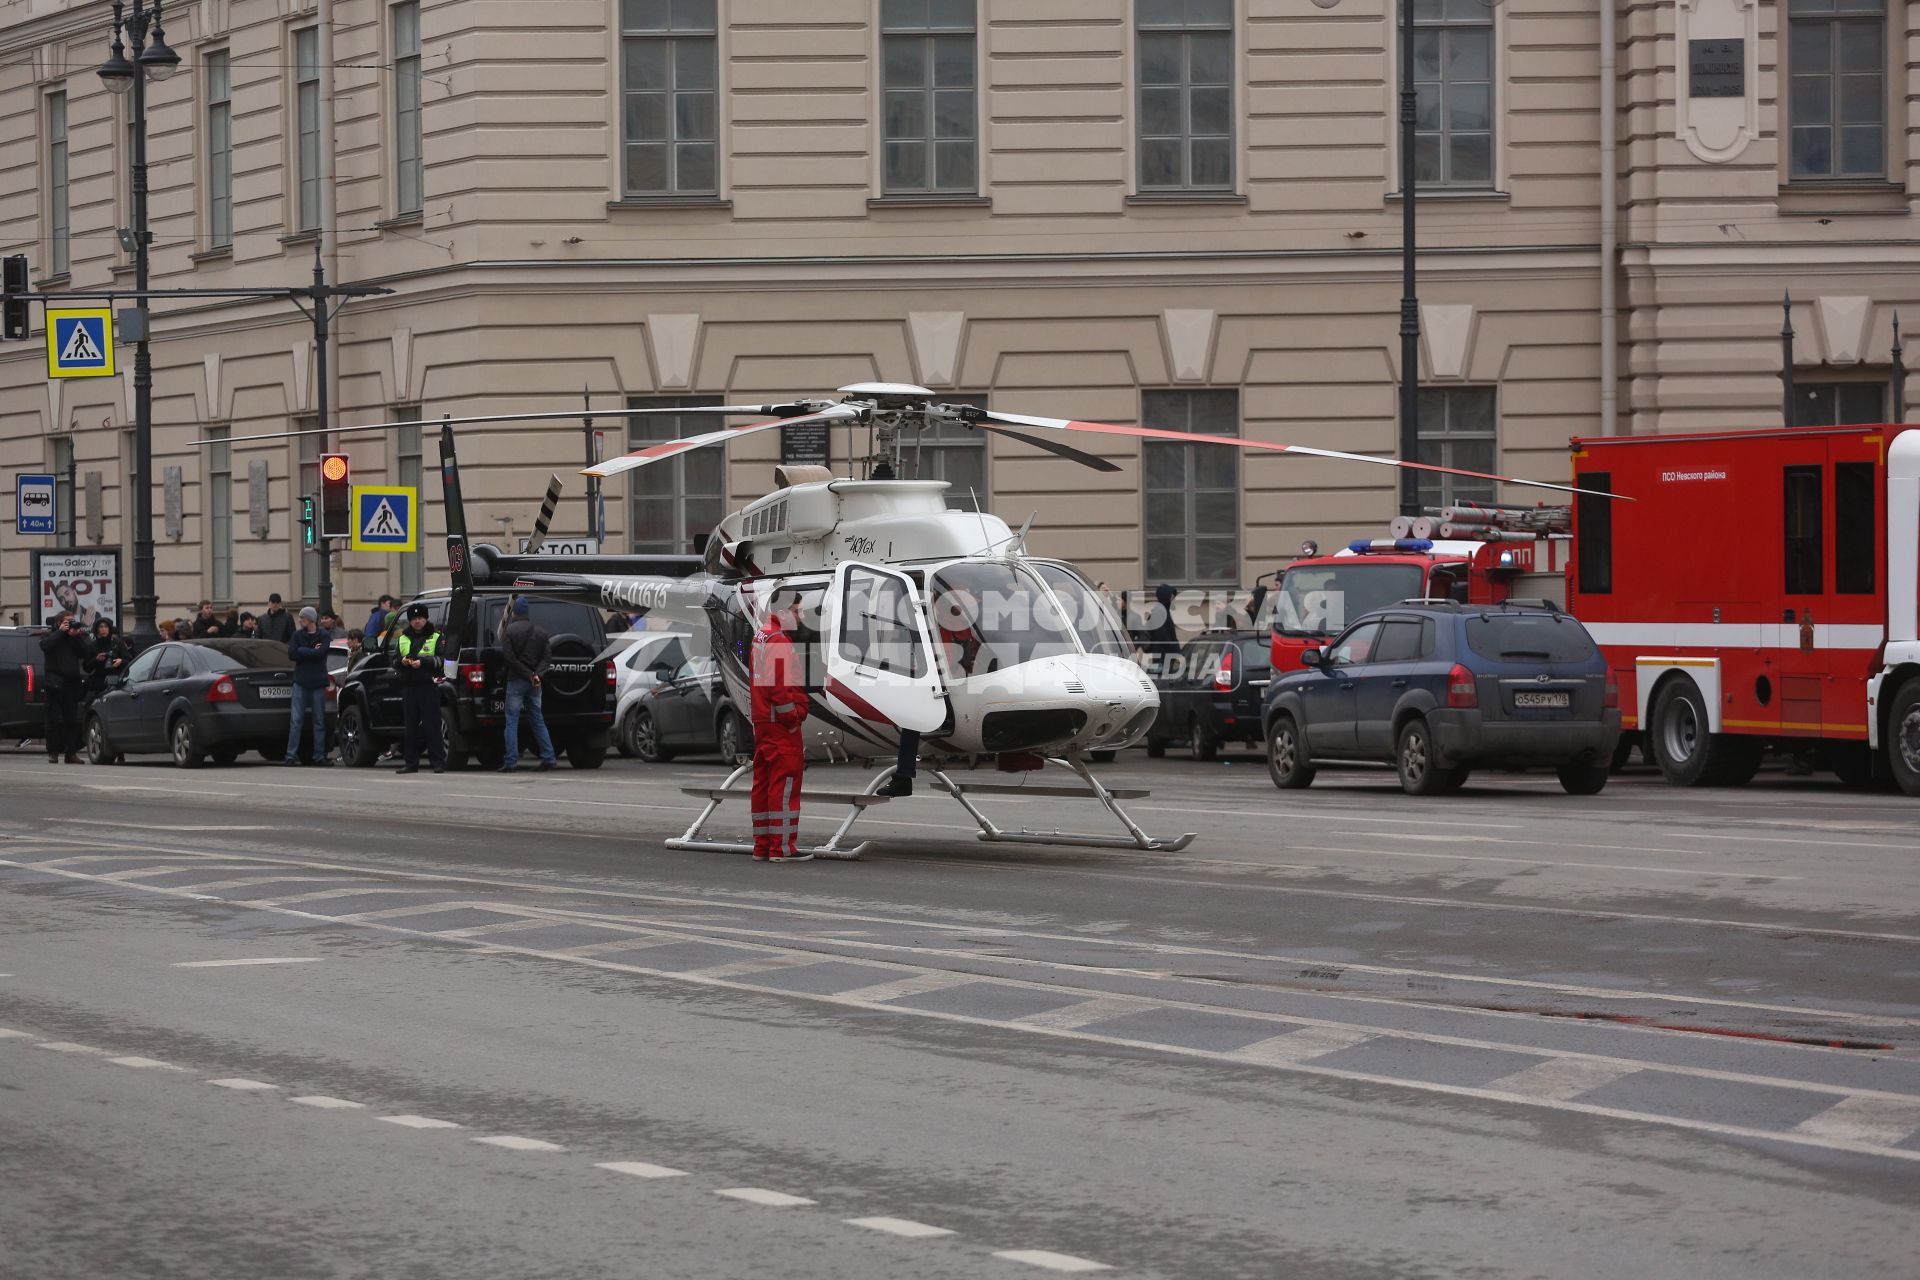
(806, 442)
(258, 522)
(1717, 68)
(175, 508)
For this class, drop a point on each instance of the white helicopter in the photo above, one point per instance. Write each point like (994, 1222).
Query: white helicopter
(920, 620)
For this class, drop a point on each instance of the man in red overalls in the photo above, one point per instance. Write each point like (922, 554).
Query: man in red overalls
(779, 740)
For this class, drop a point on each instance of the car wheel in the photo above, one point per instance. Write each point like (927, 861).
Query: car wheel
(1623, 750)
(1286, 759)
(1687, 753)
(587, 755)
(1156, 747)
(450, 739)
(733, 737)
(358, 750)
(224, 756)
(1903, 738)
(623, 737)
(646, 739)
(185, 739)
(1200, 743)
(99, 749)
(1455, 779)
(1420, 771)
(1584, 779)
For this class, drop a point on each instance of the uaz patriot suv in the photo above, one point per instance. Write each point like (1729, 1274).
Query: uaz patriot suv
(577, 691)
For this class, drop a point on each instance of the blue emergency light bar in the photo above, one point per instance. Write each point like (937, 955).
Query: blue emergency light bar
(1360, 546)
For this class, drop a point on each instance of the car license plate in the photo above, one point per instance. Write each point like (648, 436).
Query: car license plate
(1542, 698)
(275, 691)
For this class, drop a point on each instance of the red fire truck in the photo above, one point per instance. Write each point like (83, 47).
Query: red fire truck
(1758, 592)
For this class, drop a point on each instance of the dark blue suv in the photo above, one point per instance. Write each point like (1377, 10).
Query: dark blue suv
(1437, 688)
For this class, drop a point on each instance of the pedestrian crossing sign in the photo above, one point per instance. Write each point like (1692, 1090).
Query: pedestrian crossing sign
(80, 342)
(384, 518)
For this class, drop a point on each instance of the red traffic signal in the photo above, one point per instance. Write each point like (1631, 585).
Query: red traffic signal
(336, 496)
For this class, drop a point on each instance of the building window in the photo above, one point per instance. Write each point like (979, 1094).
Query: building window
(59, 195)
(220, 512)
(1186, 95)
(677, 503)
(1453, 93)
(308, 449)
(1192, 490)
(955, 453)
(1839, 404)
(669, 82)
(1837, 60)
(407, 164)
(306, 93)
(408, 473)
(217, 76)
(931, 133)
(1457, 429)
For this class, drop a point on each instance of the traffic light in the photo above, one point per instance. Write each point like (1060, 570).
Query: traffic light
(13, 289)
(308, 536)
(336, 496)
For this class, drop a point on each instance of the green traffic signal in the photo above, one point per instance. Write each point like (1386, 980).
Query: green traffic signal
(307, 538)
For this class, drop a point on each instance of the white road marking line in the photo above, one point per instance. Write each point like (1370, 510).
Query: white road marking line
(1338, 818)
(147, 1064)
(758, 964)
(1085, 1013)
(244, 1085)
(899, 1227)
(1051, 1261)
(235, 964)
(1880, 1122)
(8, 1033)
(1824, 844)
(67, 1046)
(638, 942)
(419, 1122)
(641, 1169)
(165, 869)
(924, 984)
(324, 895)
(325, 1103)
(760, 1195)
(1561, 1079)
(1303, 1045)
(512, 1143)
(520, 925)
(142, 826)
(242, 882)
(419, 909)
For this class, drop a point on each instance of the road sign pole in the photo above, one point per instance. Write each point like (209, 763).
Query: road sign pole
(321, 314)
(146, 597)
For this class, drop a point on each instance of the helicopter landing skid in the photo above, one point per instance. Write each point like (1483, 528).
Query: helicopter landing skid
(857, 803)
(1093, 790)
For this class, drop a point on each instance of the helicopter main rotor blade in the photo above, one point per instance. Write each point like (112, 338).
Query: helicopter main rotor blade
(1054, 447)
(1238, 442)
(674, 448)
(782, 411)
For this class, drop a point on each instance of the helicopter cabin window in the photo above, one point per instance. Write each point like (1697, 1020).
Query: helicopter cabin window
(956, 453)
(931, 134)
(669, 82)
(877, 628)
(676, 504)
(997, 614)
(1192, 491)
(1091, 617)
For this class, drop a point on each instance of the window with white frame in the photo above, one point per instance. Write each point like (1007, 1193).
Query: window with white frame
(1457, 429)
(306, 95)
(1192, 491)
(217, 83)
(409, 471)
(219, 500)
(1453, 93)
(59, 193)
(1837, 65)
(931, 136)
(956, 453)
(669, 82)
(408, 167)
(1185, 94)
(674, 505)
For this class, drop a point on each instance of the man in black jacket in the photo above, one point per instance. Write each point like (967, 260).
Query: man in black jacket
(65, 647)
(276, 623)
(528, 655)
(107, 654)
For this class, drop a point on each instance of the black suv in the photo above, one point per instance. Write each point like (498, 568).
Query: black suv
(577, 693)
(23, 693)
(1211, 692)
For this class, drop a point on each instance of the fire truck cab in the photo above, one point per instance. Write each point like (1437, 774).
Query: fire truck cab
(1758, 592)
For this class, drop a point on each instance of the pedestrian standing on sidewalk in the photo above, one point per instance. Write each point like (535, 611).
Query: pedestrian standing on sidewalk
(528, 654)
(107, 654)
(308, 649)
(205, 622)
(276, 623)
(377, 617)
(419, 650)
(779, 733)
(65, 647)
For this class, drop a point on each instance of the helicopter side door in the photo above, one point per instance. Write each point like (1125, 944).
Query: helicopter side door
(879, 654)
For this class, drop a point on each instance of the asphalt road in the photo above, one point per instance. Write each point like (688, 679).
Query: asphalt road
(279, 1023)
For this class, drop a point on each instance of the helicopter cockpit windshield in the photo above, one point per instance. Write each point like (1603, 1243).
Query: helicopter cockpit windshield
(1090, 616)
(991, 615)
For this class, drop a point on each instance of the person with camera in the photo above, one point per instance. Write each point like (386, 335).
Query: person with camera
(107, 655)
(65, 647)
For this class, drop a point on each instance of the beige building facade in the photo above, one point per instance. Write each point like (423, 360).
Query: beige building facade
(1184, 212)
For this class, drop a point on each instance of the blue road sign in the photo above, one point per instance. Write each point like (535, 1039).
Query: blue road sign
(35, 505)
(383, 518)
(80, 342)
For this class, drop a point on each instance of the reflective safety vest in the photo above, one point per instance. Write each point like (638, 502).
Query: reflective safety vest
(427, 649)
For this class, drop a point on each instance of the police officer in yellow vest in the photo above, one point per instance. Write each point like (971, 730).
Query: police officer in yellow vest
(419, 651)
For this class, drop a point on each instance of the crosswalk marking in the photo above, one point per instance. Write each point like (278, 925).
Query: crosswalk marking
(1559, 1079)
(1880, 1122)
(641, 1169)
(920, 985)
(1083, 1014)
(1051, 1261)
(1303, 1045)
(905, 1227)
(760, 1195)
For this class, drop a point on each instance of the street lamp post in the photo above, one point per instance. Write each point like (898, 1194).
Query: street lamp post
(150, 61)
(1409, 292)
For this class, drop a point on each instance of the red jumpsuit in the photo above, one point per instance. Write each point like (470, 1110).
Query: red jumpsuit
(779, 743)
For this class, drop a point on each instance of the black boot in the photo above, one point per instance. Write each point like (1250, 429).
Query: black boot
(899, 786)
